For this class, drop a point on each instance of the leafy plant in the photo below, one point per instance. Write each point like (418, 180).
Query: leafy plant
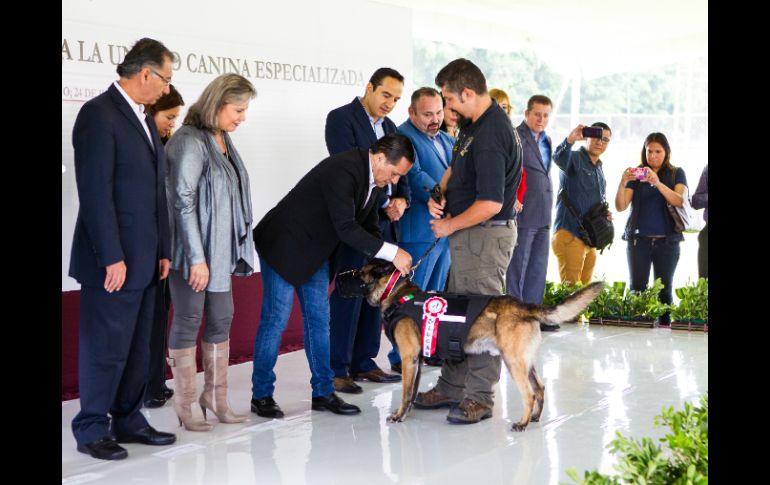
(613, 305)
(653, 307)
(680, 313)
(617, 300)
(596, 307)
(643, 462)
(700, 298)
(556, 293)
(634, 304)
(693, 301)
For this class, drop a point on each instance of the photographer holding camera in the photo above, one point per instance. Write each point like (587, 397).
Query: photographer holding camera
(582, 189)
(652, 238)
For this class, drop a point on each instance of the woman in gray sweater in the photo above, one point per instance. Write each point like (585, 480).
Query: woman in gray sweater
(210, 201)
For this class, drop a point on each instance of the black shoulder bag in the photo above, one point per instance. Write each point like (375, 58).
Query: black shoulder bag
(595, 229)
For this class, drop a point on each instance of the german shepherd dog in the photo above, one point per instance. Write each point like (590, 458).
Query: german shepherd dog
(505, 326)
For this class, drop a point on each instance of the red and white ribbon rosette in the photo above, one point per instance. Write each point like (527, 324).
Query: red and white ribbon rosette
(432, 310)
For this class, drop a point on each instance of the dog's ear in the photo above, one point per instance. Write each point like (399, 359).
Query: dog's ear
(388, 269)
(381, 268)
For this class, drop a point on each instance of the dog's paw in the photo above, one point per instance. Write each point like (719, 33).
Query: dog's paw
(518, 427)
(395, 418)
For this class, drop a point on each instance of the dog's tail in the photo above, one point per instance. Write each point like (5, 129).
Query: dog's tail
(571, 307)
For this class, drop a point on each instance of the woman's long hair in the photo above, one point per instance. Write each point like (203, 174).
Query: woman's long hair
(657, 137)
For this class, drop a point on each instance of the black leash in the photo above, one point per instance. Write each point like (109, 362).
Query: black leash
(433, 245)
(435, 194)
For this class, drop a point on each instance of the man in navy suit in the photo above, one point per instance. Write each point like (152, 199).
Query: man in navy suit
(120, 250)
(355, 327)
(525, 278)
(433, 154)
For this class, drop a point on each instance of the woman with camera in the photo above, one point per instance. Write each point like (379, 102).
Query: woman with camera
(652, 239)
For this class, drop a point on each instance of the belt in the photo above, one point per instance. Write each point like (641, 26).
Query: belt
(498, 222)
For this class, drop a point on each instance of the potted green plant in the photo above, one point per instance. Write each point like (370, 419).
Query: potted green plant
(653, 308)
(680, 316)
(613, 304)
(683, 457)
(700, 304)
(595, 310)
(692, 311)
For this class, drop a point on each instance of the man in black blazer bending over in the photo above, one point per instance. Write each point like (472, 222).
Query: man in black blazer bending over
(355, 327)
(334, 203)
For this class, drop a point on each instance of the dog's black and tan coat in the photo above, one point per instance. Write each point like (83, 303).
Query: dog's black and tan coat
(505, 327)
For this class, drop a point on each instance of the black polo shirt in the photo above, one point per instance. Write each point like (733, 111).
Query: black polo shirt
(486, 164)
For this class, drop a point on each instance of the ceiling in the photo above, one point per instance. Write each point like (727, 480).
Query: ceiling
(593, 37)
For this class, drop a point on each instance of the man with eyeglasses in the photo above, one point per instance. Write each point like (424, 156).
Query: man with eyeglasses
(163, 78)
(120, 250)
(582, 180)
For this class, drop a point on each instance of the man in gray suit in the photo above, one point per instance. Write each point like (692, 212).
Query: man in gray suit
(525, 278)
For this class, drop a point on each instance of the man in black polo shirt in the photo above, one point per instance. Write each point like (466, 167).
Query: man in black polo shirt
(480, 188)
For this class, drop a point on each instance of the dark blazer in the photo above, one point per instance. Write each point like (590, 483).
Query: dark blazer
(120, 177)
(326, 207)
(348, 127)
(538, 199)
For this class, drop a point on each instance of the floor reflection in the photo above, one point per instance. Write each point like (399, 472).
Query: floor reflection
(598, 380)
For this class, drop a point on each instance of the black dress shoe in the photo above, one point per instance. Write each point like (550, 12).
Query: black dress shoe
(158, 399)
(166, 392)
(396, 367)
(155, 402)
(149, 436)
(266, 407)
(104, 449)
(549, 328)
(333, 403)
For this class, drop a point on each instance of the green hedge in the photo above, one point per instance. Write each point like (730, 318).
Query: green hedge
(684, 462)
(617, 301)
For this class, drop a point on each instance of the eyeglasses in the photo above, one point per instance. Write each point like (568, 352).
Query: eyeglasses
(604, 139)
(167, 81)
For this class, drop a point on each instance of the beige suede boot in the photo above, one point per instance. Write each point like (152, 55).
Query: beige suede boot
(216, 359)
(182, 363)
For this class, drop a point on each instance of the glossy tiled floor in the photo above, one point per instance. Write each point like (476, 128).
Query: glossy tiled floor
(598, 380)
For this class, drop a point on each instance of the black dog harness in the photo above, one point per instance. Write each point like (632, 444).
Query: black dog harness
(444, 319)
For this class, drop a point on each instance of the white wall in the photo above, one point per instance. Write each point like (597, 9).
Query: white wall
(283, 136)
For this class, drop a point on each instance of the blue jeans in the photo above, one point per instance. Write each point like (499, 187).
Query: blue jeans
(277, 299)
(663, 256)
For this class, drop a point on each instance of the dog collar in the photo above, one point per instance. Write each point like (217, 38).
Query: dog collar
(388, 312)
(391, 283)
